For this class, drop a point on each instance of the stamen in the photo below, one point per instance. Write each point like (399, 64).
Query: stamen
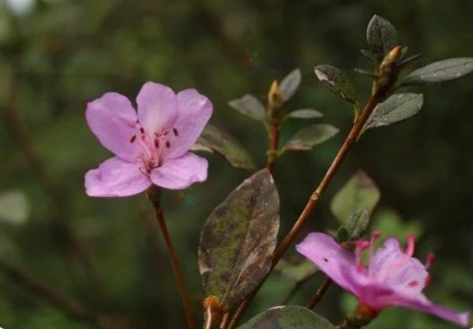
(156, 143)
(176, 133)
(410, 245)
(430, 259)
(428, 279)
(132, 139)
(142, 130)
(374, 236)
(168, 144)
(360, 246)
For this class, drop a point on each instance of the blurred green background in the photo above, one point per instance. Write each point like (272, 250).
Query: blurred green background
(56, 55)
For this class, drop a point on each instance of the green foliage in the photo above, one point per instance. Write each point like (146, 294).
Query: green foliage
(250, 106)
(14, 207)
(357, 196)
(442, 71)
(238, 240)
(290, 84)
(308, 137)
(381, 36)
(305, 114)
(216, 140)
(336, 81)
(397, 108)
(288, 317)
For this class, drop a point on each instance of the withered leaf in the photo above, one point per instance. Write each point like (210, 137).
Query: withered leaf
(238, 240)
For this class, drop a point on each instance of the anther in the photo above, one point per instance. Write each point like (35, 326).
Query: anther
(132, 139)
(168, 144)
(413, 283)
(142, 130)
(430, 259)
(176, 133)
(156, 143)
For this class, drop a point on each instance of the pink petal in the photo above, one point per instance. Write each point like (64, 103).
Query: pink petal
(391, 267)
(113, 120)
(193, 114)
(179, 173)
(157, 107)
(116, 178)
(421, 303)
(330, 258)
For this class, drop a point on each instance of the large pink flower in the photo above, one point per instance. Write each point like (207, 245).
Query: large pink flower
(392, 277)
(150, 145)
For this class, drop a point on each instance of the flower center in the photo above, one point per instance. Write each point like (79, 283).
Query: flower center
(391, 268)
(154, 147)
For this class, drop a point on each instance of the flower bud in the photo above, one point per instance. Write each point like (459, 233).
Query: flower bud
(387, 72)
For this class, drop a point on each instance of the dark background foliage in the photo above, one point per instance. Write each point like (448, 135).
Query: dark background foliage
(57, 55)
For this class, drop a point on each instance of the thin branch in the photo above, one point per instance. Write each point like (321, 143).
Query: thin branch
(319, 293)
(154, 196)
(273, 147)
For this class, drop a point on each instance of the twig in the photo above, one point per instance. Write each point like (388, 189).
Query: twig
(350, 140)
(154, 196)
(273, 146)
(319, 293)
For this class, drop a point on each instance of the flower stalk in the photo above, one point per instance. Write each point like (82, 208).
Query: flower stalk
(154, 194)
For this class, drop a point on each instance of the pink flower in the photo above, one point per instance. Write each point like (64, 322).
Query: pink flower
(150, 145)
(392, 277)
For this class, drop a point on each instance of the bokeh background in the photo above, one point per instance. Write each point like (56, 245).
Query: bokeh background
(57, 55)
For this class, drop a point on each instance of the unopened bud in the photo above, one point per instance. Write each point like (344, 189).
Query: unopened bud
(274, 95)
(392, 57)
(387, 72)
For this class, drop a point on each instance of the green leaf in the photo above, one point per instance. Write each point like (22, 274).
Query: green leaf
(305, 114)
(396, 108)
(296, 272)
(310, 136)
(216, 140)
(288, 317)
(357, 194)
(342, 234)
(446, 70)
(250, 106)
(14, 207)
(238, 240)
(381, 37)
(358, 223)
(290, 84)
(335, 80)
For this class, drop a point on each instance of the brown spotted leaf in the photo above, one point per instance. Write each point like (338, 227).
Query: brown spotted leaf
(238, 240)
(288, 317)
